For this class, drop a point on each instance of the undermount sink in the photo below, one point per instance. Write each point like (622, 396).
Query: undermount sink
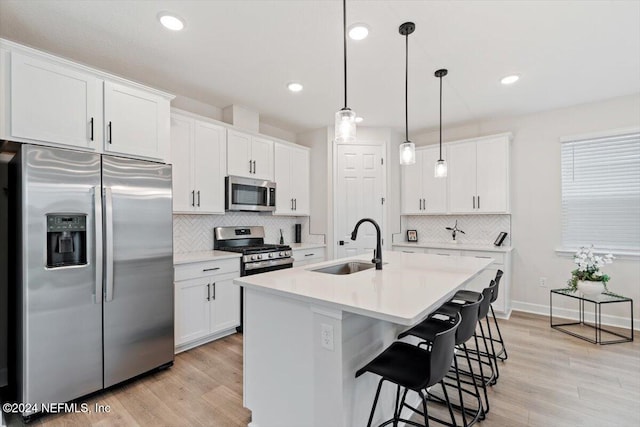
(345, 268)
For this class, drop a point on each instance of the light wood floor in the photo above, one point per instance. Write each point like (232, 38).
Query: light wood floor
(550, 379)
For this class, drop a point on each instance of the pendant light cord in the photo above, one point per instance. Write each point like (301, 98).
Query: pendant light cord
(440, 118)
(344, 25)
(406, 89)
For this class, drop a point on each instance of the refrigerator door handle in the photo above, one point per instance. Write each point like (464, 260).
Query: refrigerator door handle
(97, 223)
(108, 221)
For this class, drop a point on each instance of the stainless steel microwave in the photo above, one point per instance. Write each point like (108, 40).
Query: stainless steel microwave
(246, 194)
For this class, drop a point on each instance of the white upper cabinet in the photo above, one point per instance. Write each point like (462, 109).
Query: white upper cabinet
(292, 180)
(198, 154)
(54, 103)
(479, 175)
(422, 193)
(249, 156)
(136, 122)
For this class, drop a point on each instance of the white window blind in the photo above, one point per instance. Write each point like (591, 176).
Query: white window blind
(601, 193)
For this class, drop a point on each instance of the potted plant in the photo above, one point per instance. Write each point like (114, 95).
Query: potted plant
(587, 278)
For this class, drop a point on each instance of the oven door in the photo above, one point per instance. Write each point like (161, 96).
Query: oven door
(249, 269)
(245, 194)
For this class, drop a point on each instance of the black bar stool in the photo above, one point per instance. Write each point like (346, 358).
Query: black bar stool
(468, 311)
(414, 368)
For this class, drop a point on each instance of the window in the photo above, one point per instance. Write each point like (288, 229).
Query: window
(601, 192)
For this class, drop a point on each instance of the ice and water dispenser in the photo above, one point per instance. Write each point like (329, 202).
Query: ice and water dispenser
(66, 240)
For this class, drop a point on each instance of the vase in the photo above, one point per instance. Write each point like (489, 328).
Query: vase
(590, 288)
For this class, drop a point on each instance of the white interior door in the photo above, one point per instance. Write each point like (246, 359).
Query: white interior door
(359, 193)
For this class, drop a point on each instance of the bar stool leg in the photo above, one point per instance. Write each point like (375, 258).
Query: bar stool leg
(424, 408)
(491, 379)
(375, 402)
(502, 354)
(483, 381)
(446, 397)
(493, 352)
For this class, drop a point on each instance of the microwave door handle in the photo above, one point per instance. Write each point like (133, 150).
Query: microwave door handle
(108, 203)
(97, 224)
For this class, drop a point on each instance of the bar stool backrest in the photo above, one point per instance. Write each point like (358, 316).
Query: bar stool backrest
(499, 274)
(469, 313)
(487, 293)
(442, 351)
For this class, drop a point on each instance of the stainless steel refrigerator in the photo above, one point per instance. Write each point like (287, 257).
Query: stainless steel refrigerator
(93, 271)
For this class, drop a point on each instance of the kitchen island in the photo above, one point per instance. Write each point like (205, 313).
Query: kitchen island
(306, 333)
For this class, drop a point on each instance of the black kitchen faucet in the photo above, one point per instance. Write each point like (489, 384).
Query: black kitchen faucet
(377, 255)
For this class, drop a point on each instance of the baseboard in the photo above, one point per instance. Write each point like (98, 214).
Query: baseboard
(188, 346)
(565, 313)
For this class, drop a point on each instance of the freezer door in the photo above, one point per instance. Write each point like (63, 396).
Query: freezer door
(138, 307)
(59, 317)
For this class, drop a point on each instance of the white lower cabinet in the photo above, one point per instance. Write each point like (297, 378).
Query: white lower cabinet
(303, 257)
(207, 307)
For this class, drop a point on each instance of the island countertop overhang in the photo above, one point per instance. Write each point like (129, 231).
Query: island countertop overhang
(408, 288)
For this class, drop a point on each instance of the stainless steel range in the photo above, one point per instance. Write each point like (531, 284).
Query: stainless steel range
(257, 256)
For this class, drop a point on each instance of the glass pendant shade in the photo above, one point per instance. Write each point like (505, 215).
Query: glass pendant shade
(345, 126)
(441, 169)
(407, 153)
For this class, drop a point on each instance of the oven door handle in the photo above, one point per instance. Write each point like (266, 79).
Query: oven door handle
(268, 263)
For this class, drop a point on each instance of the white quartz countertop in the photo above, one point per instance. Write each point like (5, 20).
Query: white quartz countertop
(201, 256)
(408, 288)
(454, 246)
(303, 246)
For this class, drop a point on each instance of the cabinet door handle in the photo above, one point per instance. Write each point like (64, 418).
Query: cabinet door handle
(193, 198)
(420, 204)
(198, 198)
(291, 204)
(295, 204)
(250, 167)
(210, 269)
(474, 202)
(110, 129)
(478, 202)
(214, 290)
(254, 166)
(91, 128)
(208, 292)
(424, 204)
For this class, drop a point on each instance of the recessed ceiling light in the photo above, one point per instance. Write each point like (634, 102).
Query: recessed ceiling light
(171, 21)
(359, 119)
(294, 87)
(358, 31)
(510, 79)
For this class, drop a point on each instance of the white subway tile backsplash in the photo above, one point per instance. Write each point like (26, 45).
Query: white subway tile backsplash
(195, 232)
(479, 229)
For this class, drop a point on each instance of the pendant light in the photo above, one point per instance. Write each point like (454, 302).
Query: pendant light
(345, 118)
(407, 148)
(441, 164)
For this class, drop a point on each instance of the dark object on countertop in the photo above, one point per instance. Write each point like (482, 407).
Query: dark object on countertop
(500, 239)
(281, 238)
(298, 233)
(455, 230)
(377, 256)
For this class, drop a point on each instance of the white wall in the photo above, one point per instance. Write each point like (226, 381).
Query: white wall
(536, 196)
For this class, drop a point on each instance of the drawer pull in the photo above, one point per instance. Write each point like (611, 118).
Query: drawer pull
(444, 254)
(309, 254)
(211, 269)
(486, 257)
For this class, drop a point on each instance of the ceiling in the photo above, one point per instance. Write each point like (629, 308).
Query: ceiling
(245, 52)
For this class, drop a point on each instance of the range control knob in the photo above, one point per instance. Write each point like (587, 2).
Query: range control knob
(253, 257)
(259, 256)
(281, 254)
(270, 255)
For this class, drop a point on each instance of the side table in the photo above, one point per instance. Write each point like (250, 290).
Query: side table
(598, 301)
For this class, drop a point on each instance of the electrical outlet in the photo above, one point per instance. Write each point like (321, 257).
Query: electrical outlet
(326, 336)
(543, 282)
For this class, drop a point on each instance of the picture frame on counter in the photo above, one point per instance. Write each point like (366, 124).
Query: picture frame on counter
(412, 235)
